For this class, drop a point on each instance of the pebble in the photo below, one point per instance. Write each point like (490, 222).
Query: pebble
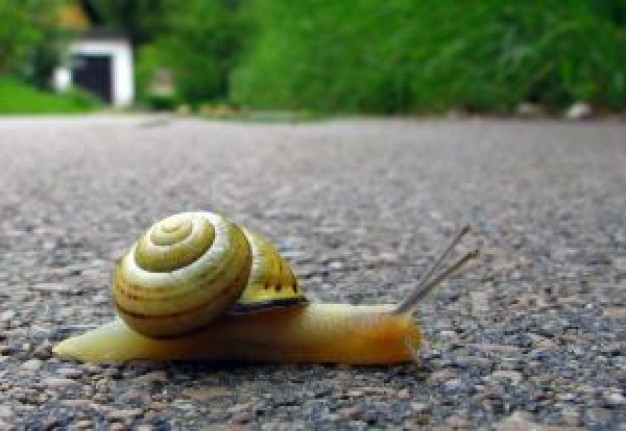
(84, 424)
(521, 421)
(512, 376)
(117, 426)
(417, 407)
(207, 393)
(579, 111)
(70, 373)
(123, 414)
(351, 412)
(530, 110)
(614, 398)
(152, 377)
(59, 382)
(5, 412)
(50, 287)
(615, 312)
(32, 365)
(7, 316)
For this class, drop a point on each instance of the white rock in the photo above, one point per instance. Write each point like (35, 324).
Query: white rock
(7, 315)
(32, 365)
(529, 110)
(5, 412)
(579, 111)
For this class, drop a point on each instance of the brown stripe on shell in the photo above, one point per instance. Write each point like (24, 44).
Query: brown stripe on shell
(225, 293)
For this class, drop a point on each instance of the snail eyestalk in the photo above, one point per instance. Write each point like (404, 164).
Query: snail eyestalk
(427, 284)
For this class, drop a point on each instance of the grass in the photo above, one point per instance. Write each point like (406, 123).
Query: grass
(19, 98)
(422, 56)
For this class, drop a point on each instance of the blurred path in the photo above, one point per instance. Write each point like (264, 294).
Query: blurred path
(533, 333)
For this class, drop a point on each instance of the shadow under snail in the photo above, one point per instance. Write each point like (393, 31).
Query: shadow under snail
(196, 286)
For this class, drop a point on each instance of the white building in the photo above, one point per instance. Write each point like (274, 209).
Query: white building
(101, 63)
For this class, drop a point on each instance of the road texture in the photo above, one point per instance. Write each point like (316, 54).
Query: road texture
(533, 334)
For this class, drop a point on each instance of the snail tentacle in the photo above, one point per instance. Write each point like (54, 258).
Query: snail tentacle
(427, 283)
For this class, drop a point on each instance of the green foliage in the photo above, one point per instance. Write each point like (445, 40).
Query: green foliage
(199, 50)
(19, 98)
(407, 55)
(30, 40)
(140, 20)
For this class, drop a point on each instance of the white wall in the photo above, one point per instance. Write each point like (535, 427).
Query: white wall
(121, 63)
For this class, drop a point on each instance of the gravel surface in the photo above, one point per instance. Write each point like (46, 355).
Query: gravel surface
(532, 335)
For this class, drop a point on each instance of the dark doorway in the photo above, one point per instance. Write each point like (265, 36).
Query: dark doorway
(93, 73)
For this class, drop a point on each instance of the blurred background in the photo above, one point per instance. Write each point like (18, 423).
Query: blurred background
(226, 57)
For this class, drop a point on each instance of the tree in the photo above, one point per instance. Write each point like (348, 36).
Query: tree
(141, 20)
(30, 39)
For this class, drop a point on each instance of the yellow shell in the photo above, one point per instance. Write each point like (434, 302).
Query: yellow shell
(190, 269)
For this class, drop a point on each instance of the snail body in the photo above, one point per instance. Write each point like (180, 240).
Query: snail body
(237, 299)
(325, 333)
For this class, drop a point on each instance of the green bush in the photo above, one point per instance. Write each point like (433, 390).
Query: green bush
(30, 39)
(406, 55)
(199, 50)
(20, 98)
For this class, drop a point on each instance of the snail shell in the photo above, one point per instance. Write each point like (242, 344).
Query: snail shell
(192, 268)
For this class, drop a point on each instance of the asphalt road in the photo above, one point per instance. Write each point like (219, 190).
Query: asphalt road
(533, 334)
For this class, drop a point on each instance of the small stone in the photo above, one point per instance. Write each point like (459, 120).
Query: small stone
(619, 263)
(335, 265)
(420, 407)
(238, 408)
(457, 422)
(579, 111)
(614, 399)
(518, 421)
(44, 350)
(615, 312)
(598, 415)
(152, 377)
(76, 403)
(117, 426)
(470, 362)
(123, 414)
(206, 393)
(32, 365)
(571, 416)
(529, 110)
(522, 421)
(446, 334)
(443, 375)
(50, 287)
(242, 417)
(404, 394)
(5, 412)
(453, 385)
(7, 315)
(83, 424)
(100, 299)
(513, 376)
(70, 373)
(58, 382)
(352, 412)
(158, 405)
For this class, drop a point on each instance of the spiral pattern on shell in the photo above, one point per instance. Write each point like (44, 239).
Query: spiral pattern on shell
(190, 269)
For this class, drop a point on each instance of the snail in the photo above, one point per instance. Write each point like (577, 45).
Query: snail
(196, 286)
